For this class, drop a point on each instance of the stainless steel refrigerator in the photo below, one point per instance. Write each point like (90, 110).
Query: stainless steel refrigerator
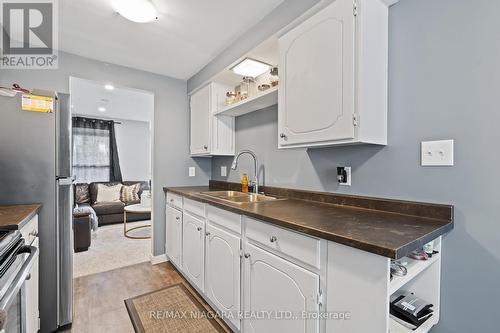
(35, 167)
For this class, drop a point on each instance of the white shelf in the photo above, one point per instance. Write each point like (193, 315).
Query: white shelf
(395, 327)
(415, 267)
(259, 101)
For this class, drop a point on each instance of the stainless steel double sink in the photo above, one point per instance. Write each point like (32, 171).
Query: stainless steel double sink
(239, 198)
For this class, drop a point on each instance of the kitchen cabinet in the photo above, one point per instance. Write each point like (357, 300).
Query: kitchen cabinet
(211, 134)
(333, 77)
(30, 233)
(223, 270)
(282, 287)
(193, 249)
(173, 246)
(270, 273)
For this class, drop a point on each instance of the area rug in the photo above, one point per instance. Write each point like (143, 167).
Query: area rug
(171, 310)
(109, 250)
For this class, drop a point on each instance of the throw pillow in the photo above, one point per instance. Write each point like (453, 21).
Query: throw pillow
(82, 194)
(108, 193)
(130, 194)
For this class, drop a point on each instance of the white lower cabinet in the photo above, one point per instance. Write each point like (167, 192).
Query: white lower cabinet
(29, 233)
(223, 271)
(276, 287)
(193, 251)
(173, 246)
(32, 313)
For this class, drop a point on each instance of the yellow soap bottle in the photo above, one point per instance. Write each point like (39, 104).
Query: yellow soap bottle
(244, 183)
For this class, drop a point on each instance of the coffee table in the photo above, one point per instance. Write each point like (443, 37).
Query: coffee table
(137, 209)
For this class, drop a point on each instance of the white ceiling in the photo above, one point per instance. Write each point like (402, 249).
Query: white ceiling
(187, 35)
(121, 103)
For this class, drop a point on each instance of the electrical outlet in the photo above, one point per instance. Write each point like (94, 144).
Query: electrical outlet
(437, 153)
(223, 171)
(192, 171)
(344, 176)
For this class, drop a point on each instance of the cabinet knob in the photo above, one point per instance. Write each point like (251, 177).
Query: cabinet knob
(199, 228)
(205, 147)
(207, 233)
(171, 200)
(282, 135)
(34, 233)
(273, 239)
(247, 255)
(177, 218)
(28, 276)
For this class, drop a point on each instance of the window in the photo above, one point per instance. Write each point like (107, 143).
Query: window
(95, 156)
(91, 155)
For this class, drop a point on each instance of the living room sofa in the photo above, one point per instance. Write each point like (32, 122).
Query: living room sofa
(108, 212)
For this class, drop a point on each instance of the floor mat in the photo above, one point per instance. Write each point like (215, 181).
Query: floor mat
(171, 310)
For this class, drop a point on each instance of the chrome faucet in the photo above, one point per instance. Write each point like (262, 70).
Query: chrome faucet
(235, 165)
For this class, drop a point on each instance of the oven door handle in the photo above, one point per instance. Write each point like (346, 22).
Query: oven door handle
(20, 277)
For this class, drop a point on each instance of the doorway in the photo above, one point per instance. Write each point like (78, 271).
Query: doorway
(112, 165)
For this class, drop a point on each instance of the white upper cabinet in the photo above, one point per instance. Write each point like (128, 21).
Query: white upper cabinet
(210, 134)
(333, 77)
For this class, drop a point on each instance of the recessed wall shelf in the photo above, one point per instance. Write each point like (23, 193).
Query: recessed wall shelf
(259, 101)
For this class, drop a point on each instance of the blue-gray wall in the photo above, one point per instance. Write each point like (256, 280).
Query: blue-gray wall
(171, 138)
(444, 83)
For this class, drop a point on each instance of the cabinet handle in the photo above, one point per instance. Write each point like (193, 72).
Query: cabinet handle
(207, 233)
(206, 147)
(273, 239)
(199, 228)
(282, 135)
(34, 233)
(247, 255)
(171, 200)
(28, 276)
(177, 218)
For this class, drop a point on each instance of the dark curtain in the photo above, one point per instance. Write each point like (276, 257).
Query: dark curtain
(95, 156)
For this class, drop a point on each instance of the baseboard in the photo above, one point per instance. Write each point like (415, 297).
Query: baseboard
(155, 260)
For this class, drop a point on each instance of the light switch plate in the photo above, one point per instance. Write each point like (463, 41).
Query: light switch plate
(192, 171)
(437, 153)
(223, 171)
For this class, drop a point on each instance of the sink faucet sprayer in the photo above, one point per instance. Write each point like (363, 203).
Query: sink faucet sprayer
(235, 165)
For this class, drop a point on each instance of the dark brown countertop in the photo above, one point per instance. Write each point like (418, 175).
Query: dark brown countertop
(16, 216)
(381, 231)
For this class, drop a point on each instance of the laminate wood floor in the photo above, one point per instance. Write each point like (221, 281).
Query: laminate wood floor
(99, 298)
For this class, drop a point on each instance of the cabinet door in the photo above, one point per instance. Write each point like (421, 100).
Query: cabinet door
(281, 287)
(316, 95)
(173, 237)
(200, 121)
(32, 313)
(223, 271)
(193, 235)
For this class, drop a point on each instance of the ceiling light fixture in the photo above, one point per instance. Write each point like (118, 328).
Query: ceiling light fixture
(140, 11)
(101, 109)
(251, 67)
(109, 87)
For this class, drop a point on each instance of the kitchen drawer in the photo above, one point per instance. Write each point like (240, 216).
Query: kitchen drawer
(30, 231)
(174, 200)
(224, 218)
(194, 207)
(290, 243)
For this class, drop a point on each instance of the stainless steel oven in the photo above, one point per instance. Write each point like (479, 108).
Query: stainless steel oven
(16, 260)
